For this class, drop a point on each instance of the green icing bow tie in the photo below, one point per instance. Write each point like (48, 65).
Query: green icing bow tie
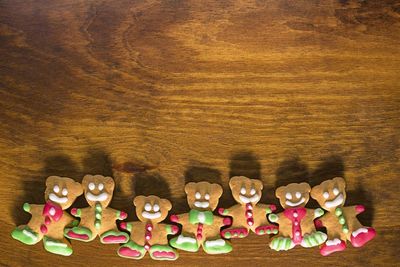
(204, 217)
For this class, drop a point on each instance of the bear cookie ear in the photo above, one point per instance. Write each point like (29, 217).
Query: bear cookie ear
(189, 187)
(217, 190)
(138, 201)
(279, 191)
(258, 183)
(166, 204)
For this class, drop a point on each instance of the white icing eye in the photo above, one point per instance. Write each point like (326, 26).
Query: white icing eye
(147, 207)
(197, 195)
(242, 190)
(156, 207)
(288, 196)
(298, 194)
(336, 191)
(326, 195)
(92, 186)
(56, 189)
(207, 196)
(100, 186)
(252, 191)
(64, 192)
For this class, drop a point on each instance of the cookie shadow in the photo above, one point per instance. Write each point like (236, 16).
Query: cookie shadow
(361, 196)
(34, 187)
(291, 170)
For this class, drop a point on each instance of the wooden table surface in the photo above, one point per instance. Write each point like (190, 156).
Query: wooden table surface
(159, 93)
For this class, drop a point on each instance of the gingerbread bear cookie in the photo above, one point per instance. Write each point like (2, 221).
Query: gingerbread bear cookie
(296, 223)
(49, 220)
(200, 227)
(98, 218)
(247, 214)
(341, 222)
(148, 234)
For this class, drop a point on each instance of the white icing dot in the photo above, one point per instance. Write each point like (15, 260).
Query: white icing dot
(242, 190)
(326, 195)
(64, 192)
(207, 196)
(92, 186)
(56, 189)
(147, 207)
(100, 186)
(156, 207)
(336, 191)
(252, 191)
(52, 211)
(288, 196)
(197, 195)
(298, 194)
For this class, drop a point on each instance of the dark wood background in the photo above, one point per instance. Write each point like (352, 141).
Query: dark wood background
(165, 92)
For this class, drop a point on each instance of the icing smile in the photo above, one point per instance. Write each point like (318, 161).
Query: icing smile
(100, 197)
(202, 204)
(254, 198)
(151, 215)
(53, 197)
(294, 204)
(334, 203)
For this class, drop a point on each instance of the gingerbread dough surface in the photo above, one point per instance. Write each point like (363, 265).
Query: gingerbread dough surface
(149, 234)
(48, 221)
(98, 219)
(296, 223)
(200, 227)
(247, 215)
(341, 222)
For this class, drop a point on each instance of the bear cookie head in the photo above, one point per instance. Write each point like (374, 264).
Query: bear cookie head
(330, 194)
(151, 208)
(203, 195)
(293, 195)
(62, 191)
(98, 189)
(245, 190)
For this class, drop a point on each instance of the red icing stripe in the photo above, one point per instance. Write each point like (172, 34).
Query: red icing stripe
(77, 236)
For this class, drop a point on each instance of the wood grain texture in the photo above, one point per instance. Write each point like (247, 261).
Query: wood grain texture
(158, 93)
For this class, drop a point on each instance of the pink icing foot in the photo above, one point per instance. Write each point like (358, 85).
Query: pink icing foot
(332, 246)
(266, 229)
(130, 253)
(234, 233)
(164, 254)
(112, 239)
(74, 235)
(361, 236)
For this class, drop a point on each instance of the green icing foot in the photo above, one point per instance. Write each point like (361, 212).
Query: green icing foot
(78, 233)
(314, 239)
(185, 243)
(25, 235)
(56, 246)
(131, 250)
(281, 243)
(219, 246)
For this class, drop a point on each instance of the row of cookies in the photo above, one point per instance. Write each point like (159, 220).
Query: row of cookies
(296, 225)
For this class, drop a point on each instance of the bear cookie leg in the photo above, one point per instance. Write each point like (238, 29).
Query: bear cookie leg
(217, 246)
(185, 243)
(59, 247)
(25, 235)
(79, 233)
(114, 237)
(132, 250)
(163, 252)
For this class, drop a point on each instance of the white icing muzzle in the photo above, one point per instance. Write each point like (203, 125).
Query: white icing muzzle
(294, 204)
(202, 204)
(334, 203)
(151, 215)
(53, 197)
(254, 198)
(100, 197)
